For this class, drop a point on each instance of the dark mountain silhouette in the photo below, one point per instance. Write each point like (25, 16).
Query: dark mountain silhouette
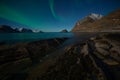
(7, 29)
(65, 30)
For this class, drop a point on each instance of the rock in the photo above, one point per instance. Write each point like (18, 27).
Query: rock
(103, 51)
(18, 57)
(84, 50)
(103, 44)
(11, 54)
(86, 60)
(74, 65)
(2, 43)
(115, 53)
(34, 50)
(40, 32)
(65, 30)
(39, 49)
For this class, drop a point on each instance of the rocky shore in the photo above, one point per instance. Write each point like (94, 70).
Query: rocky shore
(17, 57)
(96, 58)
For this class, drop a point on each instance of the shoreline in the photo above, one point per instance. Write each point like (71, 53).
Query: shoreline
(34, 59)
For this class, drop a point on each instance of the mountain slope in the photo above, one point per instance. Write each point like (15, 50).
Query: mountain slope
(108, 23)
(81, 25)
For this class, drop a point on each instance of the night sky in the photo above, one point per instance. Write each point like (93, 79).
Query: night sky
(51, 15)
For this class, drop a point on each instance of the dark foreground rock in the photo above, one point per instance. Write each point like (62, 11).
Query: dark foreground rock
(76, 63)
(16, 58)
(98, 58)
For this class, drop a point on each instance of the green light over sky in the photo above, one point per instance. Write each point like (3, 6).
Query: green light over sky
(51, 3)
(12, 15)
(52, 15)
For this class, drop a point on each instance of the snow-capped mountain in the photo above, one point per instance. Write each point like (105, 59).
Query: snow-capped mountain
(98, 23)
(20, 29)
(9, 29)
(90, 18)
(95, 16)
(23, 30)
(82, 24)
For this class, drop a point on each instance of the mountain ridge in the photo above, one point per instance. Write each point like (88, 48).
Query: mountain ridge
(9, 29)
(108, 23)
(85, 21)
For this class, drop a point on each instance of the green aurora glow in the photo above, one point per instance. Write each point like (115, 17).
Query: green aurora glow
(51, 3)
(12, 15)
(51, 15)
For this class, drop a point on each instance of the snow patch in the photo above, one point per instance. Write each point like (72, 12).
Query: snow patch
(95, 16)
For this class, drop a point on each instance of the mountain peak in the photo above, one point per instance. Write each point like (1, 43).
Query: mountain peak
(95, 16)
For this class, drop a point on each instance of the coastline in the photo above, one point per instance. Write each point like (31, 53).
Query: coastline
(35, 59)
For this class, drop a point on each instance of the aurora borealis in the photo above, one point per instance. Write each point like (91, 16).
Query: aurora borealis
(12, 15)
(51, 3)
(51, 15)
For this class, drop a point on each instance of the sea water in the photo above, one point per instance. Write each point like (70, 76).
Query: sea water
(27, 37)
